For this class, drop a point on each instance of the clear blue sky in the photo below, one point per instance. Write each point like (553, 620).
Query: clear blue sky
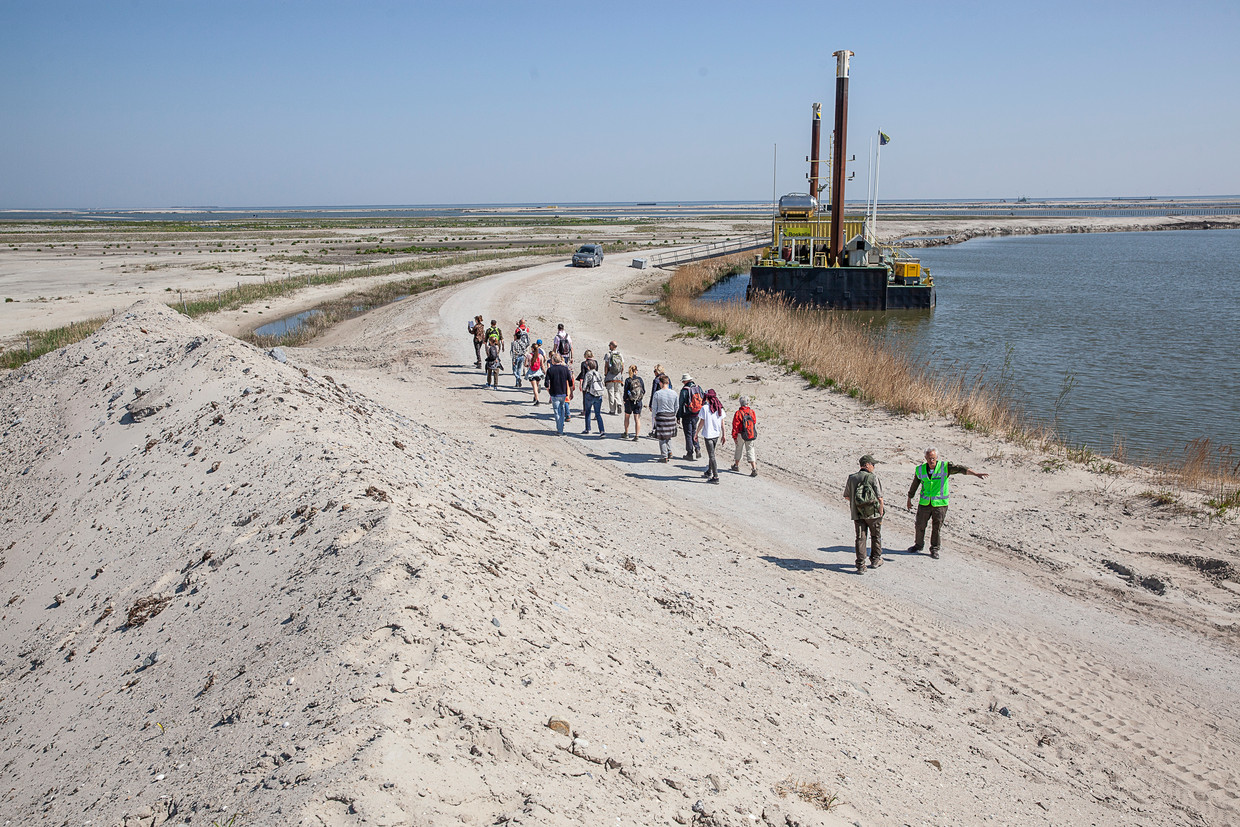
(149, 103)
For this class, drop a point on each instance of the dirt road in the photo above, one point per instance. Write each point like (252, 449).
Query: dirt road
(1059, 689)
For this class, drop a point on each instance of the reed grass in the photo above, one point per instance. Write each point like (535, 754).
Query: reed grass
(832, 349)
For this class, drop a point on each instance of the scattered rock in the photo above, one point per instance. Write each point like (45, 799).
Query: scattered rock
(559, 725)
(277, 353)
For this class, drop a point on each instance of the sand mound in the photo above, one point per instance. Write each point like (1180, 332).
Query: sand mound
(234, 585)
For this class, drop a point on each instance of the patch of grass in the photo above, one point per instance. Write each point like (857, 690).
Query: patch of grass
(1224, 502)
(814, 792)
(1051, 465)
(1081, 454)
(1160, 497)
(39, 342)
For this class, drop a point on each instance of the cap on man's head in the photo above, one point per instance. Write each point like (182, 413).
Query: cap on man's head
(868, 460)
(539, 342)
(684, 377)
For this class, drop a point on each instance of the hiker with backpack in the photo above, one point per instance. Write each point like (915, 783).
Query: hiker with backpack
(744, 434)
(494, 330)
(663, 406)
(688, 406)
(560, 384)
(710, 431)
(613, 376)
(864, 492)
(634, 393)
(588, 363)
(592, 390)
(562, 344)
(479, 331)
(494, 365)
(537, 368)
(520, 347)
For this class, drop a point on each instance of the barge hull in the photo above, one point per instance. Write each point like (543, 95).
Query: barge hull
(841, 288)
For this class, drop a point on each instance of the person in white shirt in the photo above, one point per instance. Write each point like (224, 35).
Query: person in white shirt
(710, 431)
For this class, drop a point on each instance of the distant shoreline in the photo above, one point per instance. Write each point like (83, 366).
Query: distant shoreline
(903, 233)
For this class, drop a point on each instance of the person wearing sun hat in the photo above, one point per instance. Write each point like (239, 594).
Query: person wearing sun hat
(688, 415)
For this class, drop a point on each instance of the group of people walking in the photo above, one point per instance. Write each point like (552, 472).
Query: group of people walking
(699, 414)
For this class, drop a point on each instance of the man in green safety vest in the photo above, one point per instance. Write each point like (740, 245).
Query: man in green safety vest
(931, 476)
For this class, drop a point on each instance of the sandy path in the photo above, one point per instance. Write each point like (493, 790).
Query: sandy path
(1103, 699)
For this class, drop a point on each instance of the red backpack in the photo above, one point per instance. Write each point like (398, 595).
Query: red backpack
(749, 425)
(694, 405)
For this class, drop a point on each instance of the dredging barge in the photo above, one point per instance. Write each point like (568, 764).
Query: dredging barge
(809, 261)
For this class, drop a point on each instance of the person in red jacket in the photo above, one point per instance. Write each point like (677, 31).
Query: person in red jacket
(744, 434)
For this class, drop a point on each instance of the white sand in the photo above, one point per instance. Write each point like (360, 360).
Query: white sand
(704, 643)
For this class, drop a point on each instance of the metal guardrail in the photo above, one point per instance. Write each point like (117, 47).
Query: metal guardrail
(683, 255)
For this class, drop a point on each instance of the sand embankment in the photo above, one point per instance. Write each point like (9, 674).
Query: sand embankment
(378, 581)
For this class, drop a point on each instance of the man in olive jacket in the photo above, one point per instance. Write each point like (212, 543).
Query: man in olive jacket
(864, 492)
(931, 476)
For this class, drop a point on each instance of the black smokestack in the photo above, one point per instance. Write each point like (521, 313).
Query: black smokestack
(839, 161)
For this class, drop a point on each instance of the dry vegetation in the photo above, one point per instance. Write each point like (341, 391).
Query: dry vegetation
(832, 349)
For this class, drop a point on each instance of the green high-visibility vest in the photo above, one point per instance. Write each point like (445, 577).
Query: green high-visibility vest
(933, 483)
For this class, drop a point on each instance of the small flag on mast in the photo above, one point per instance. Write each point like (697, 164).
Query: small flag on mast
(883, 138)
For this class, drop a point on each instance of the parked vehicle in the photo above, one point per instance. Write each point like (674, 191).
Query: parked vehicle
(588, 255)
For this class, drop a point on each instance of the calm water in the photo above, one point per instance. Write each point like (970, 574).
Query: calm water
(1141, 328)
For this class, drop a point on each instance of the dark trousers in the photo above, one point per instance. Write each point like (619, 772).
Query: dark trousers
(712, 467)
(935, 515)
(874, 527)
(689, 423)
(477, 353)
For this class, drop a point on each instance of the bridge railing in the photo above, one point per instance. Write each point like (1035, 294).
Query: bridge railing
(697, 252)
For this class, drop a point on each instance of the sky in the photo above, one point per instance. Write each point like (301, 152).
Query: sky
(132, 104)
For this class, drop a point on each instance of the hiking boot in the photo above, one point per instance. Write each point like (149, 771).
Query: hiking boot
(875, 562)
(689, 455)
(736, 466)
(934, 554)
(706, 474)
(714, 480)
(753, 473)
(697, 453)
(664, 459)
(860, 568)
(914, 549)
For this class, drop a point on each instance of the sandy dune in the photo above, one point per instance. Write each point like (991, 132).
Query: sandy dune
(378, 581)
